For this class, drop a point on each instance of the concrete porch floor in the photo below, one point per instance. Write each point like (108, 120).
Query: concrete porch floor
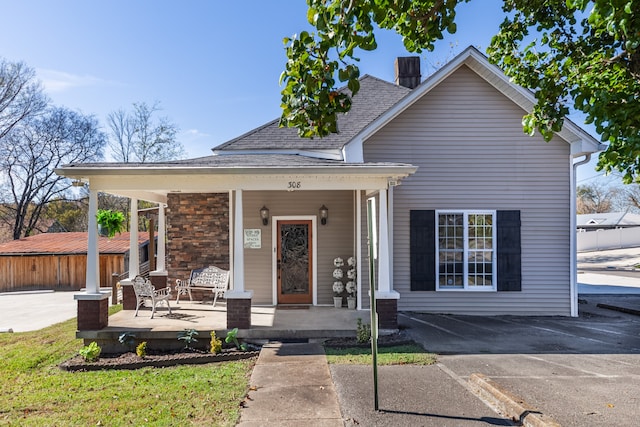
(267, 323)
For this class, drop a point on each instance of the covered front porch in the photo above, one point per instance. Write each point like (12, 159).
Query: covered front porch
(210, 212)
(267, 323)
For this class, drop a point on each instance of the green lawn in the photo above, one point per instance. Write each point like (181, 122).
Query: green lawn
(411, 354)
(35, 392)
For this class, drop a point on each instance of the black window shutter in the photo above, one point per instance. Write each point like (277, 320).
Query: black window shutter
(509, 251)
(423, 250)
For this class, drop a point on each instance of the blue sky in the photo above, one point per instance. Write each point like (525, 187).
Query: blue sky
(214, 66)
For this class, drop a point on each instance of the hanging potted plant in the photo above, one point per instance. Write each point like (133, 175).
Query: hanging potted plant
(110, 222)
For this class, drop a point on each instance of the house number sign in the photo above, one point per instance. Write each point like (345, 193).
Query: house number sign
(252, 238)
(294, 185)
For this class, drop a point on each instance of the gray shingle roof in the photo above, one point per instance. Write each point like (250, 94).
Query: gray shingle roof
(374, 98)
(610, 219)
(244, 161)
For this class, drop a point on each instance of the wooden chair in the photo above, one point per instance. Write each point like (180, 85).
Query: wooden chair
(145, 291)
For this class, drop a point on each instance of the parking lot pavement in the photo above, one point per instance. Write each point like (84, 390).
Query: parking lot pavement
(581, 371)
(30, 311)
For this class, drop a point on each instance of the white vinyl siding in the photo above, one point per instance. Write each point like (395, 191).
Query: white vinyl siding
(466, 139)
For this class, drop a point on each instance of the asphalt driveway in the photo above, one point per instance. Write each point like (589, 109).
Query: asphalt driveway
(581, 371)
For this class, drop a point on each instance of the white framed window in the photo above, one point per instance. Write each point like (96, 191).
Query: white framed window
(465, 250)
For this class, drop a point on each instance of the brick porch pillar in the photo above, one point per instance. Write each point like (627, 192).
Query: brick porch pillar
(159, 279)
(93, 311)
(238, 313)
(387, 310)
(128, 295)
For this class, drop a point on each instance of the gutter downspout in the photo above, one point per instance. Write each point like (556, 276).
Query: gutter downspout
(573, 245)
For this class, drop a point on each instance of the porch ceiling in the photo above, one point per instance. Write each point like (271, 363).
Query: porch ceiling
(154, 182)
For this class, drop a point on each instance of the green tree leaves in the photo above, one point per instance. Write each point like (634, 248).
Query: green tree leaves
(584, 58)
(573, 54)
(311, 101)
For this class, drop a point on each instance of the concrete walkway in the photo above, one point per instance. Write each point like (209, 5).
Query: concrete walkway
(31, 311)
(291, 385)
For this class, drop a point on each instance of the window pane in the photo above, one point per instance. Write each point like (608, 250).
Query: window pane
(465, 239)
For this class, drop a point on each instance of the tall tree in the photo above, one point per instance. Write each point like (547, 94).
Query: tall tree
(29, 154)
(138, 136)
(21, 95)
(586, 57)
(597, 198)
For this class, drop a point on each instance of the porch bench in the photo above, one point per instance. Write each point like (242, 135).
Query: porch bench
(210, 278)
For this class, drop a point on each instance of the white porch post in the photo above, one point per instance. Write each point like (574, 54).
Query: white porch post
(238, 299)
(384, 275)
(93, 305)
(93, 254)
(159, 277)
(359, 255)
(160, 262)
(238, 248)
(134, 255)
(238, 291)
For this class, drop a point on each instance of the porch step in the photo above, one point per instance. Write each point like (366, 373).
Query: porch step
(267, 324)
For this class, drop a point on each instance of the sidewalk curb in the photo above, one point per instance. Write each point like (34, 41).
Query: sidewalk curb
(511, 405)
(618, 308)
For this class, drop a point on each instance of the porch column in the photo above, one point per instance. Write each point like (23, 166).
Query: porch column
(93, 305)
(162, 232)
(134, 254)
(128, 295)
(93, 254)
(238, 299)
(160, 276)
(386, 297)
(359, 254)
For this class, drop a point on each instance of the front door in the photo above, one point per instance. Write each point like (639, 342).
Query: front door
(294, 262)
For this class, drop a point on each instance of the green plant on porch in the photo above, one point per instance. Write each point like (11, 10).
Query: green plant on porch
(111, 222)
(91, 352)
(188, 336)
(232, 337)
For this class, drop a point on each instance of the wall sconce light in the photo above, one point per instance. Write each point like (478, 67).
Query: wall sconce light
(264, 214)
(324, 214)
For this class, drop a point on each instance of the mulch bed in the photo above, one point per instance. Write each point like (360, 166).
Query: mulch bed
(399, 338)
(132, 361)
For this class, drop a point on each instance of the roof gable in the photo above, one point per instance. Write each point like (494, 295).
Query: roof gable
(375, 97)
(478, 63)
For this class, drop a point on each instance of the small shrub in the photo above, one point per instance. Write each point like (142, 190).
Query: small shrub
(141, 349)
(90, 352)
(363, 332)
(216, 343)
(188, 336)
(232, 337)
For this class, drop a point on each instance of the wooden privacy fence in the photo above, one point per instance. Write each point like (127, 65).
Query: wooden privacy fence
(54, 271)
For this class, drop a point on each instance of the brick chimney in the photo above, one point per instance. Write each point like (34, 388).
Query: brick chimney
(408, 71)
